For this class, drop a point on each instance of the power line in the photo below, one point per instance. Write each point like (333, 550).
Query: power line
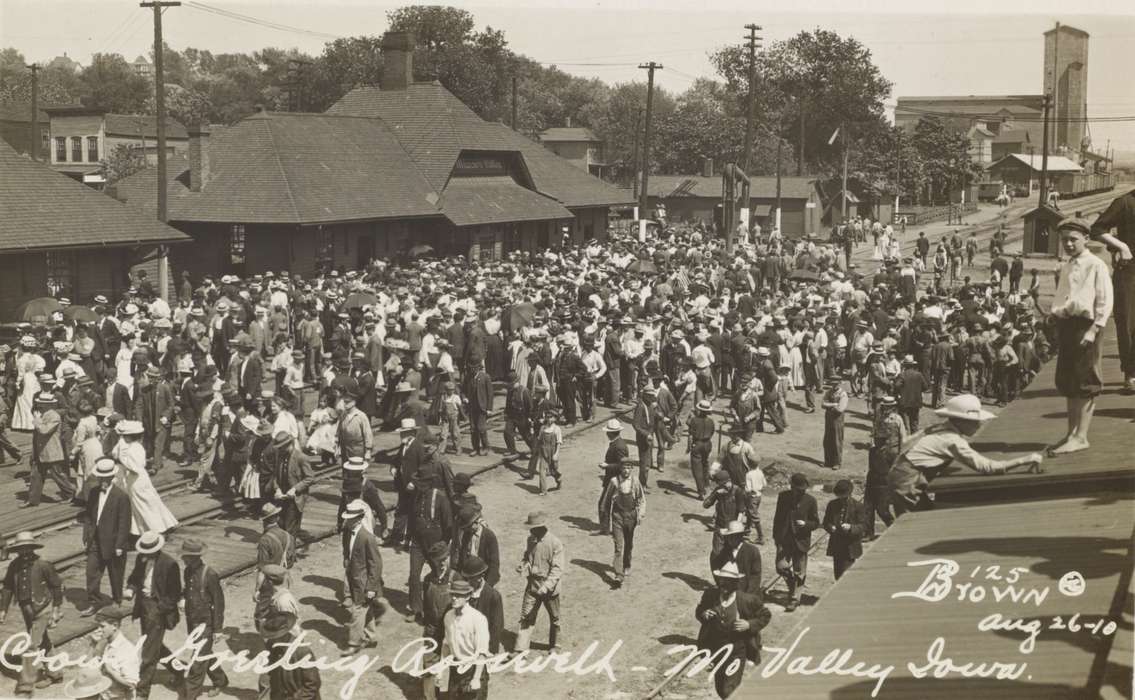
(1000, 117)
(229, 14)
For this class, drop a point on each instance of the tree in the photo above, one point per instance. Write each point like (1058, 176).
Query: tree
(123, 161)
(110, 84)
(187, 106)
(345, 64)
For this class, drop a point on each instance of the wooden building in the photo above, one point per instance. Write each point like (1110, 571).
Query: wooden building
(81, 138)
(1040, 231)
(698, 198)
(579, 146)
(61, 238)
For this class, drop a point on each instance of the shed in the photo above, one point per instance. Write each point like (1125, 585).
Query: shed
(1040, 231)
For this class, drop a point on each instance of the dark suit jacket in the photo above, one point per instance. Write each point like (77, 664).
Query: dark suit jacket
(409, 463)
(368, 402)
(490, 605)
(297, 474)
(748, 560)
(112, 531)
(249, 380)
(165, 586)
(714, 634)
(122, 403)
(789, 509)
(204, 599)
(848, 545)
(488, 551)
(363, 564)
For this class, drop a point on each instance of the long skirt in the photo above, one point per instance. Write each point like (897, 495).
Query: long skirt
(833, 439)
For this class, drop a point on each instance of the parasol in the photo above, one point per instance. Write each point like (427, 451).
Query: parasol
(42, 308)
(357, 300)
(420, 250)
(518, 316)
(82, 314)
(642, 266)
(804, 276)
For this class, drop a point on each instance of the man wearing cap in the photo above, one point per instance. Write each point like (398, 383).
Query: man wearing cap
(156, 582)
(362, 566)
(435, 596)
(476, 539)
(48, 457)
(272, 595)
(189, 411)
(729, 503)
(542, 567)
(466, 641)
(204, 609)
(487, 599)
(276, 545)
(290, 480)
(367, 396)
(941, 445)
(249, 371)
(887, 436)
(701, 429)
(1081, 307)
(38, 591)
(621, 508)
(118, 655)
(733, 621)
(844, 520)
(356, 438)
(156, 409)
(480, 405)
(796, 516)
(106, 534)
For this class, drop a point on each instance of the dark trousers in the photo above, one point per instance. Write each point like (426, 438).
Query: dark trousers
(291, 517)
(96, 564)
(152, 625)
(645, 457)
(877, 501)
(1124, 285)
(937, 384)
(7, 446)
(611, 386)
(586, 398)
(414, 587)
(195, 676)
(910, 417)
(566, 395)
(513, 427)
(699, 464)
(479, 429)
(57, 472)
(400, 531)
(841, 564)
(189, 436)
(622, 531)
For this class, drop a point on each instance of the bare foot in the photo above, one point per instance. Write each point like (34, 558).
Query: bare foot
(1050, 450)
(1069, 446)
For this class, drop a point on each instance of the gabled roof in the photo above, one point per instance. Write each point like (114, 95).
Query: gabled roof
(981, 130)
(1056, 164)
(434, 127)
(496, 199)
(1012, 136)
(665, 186)
(137, 125)
(297, 168)
(44, 209)
(22, 112)
(562, 134)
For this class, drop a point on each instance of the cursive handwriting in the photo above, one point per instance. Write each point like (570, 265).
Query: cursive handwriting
(939, 584)
(938, 667)
(836, 662)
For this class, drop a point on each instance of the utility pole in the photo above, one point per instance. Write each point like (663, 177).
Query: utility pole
(750, 115)
(843, 194)
(1055, 84)
(34, 68)
(1044, 154)
(634, 153)
(800, 158)
(160, 104)
(514, 104)
(642, 195)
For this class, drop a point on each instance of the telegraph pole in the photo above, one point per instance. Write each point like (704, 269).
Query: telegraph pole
(642, 195)
(160, 104)
(750, 115)
(34, 68)
(843, 195)
(1044, 154)
(634, 153)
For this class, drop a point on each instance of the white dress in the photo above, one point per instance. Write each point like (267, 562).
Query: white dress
(28, 367)
(149, 513)
(324, 431)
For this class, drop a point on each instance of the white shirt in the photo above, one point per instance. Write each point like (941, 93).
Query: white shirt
(148, 578)
(466, 638)
(121, 656)
(102, 502)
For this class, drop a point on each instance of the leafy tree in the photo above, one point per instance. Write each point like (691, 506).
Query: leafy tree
(123, 161)
(186, 105)
(58, 83)
(111, 84)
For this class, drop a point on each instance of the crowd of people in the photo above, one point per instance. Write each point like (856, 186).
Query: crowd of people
(273, 376)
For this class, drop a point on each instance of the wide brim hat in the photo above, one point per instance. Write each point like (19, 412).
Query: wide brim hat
(613, 426)
(150, 542)
(354, 509)
(90, 683)
(355, 464)
(250, 423)
(468, 513)
(407, 424)
(104, 467)
(733, 527)
(728, 570)
(704, 406)
(536, 519)
(281, 439)
(965, 407)
(460, 587)
(843, 487)
(129, 427)
(269, 510)
(278, 625)
(438, 551)
(193, 547)
(24, 540)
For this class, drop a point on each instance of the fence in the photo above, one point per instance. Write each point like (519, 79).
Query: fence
(917, 215)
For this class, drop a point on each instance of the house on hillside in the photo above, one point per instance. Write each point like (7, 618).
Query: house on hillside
(382, 170)
(579, 146)
(16, 129)
(60, 238)
(82, 137)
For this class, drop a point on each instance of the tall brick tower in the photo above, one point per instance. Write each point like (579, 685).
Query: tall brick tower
(1066, 79)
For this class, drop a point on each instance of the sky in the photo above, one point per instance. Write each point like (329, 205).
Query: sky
(924, 48)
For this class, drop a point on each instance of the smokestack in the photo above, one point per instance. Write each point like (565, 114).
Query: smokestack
(707, 167)
(198, 157)
(567, 122)
(397, 60)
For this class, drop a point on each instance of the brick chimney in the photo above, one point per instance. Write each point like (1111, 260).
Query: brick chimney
(707, 167)
(198, 157)
(397, 60)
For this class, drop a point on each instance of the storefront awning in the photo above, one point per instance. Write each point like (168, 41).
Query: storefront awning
(472, 201)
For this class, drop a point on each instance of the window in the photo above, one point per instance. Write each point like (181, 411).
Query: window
(62, 273)
(76, 149)
(324, 249)
(236, 244)
(45, 142)
(92, 149)
(60, 149)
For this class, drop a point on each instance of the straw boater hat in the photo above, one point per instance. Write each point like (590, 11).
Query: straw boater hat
(407, 424)
(355, 464)
(23, 540)
(104, 467)
(965, 407)
(704, 406)
(734, 527)
(150, 542)
(728, 570)
(90, 683)
(354, 509)
(129, 427)
(613, 426)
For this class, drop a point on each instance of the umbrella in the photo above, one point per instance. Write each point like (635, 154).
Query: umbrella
(82, 314)
(42, 307)
(642, 266)
(804, 276)
(518, 316)
(420, 250)
(357, 300)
